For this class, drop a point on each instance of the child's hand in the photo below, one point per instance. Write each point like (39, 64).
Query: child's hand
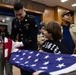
(41, 51)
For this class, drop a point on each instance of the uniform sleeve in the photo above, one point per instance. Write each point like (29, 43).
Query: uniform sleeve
(32, 39)
(13, 31)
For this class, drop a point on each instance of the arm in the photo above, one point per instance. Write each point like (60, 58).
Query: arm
(13, 30)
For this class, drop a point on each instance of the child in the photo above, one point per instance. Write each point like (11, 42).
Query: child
(3, 31)
(53, 33)
(4, 63)
(41, 38)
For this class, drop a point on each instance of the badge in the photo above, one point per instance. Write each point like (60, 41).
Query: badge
(25, 19)
(27, 24)
(36, 25)
(30, 40)
(27, 27)
(15, 26)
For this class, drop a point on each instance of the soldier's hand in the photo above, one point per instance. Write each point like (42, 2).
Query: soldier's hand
(16, 45)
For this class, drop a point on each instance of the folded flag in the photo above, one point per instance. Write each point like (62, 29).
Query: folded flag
(54, 64)
(9, 46)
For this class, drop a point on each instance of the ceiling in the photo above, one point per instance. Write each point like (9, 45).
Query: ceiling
(53, 3)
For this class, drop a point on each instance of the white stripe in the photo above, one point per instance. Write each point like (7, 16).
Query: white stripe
(14, 50)
(63, 71)
(6, 52)
(5, 40)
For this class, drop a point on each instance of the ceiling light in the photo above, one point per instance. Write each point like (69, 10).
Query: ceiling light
(73, 5)
(64, 0)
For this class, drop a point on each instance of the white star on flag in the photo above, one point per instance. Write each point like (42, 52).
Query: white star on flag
(61, 65)
(59, 59)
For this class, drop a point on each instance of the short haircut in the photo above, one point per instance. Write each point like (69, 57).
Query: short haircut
(41, 24)
(54, 28)
(18, 6)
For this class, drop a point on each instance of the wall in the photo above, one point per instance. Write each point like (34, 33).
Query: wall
(54, 13)
(48, 14)
(33, 5)
(59, 11)
(75, 17)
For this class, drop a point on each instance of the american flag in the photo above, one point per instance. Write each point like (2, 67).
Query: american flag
(54, 64)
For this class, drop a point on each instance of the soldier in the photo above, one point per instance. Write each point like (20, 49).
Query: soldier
(24, 29)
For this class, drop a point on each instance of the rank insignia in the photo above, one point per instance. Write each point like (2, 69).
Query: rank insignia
(36, 25)
(25, 19)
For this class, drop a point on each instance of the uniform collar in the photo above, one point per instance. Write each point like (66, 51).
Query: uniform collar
(25, 18)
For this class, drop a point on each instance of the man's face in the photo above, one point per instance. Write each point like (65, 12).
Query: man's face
(20, 14)
(67, 18)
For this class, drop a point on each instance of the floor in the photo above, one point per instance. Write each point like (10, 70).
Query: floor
(16, 71)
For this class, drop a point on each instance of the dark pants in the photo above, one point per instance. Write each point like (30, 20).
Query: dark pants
(24, 72)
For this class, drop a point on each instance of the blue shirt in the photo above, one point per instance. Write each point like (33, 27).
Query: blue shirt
(67, 40)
